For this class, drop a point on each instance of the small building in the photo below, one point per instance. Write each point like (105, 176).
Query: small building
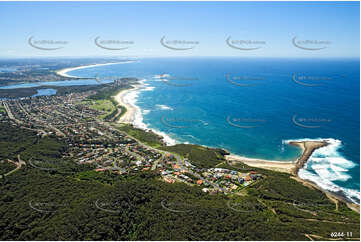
(169, 180)
(247, 178)
(205, 190)
(234, 187)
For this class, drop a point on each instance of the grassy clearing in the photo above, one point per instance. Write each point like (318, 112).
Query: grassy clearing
(103, 106)
(123, 111)
(103, 100)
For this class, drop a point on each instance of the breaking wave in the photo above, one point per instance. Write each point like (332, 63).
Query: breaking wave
(327, 166)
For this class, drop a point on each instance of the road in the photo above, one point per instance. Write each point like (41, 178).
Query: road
(178, 158)
(10, 114)
(18, 164)
(181, 163)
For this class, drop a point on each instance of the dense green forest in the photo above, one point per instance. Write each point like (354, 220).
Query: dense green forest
(202, 157)
(6, 166)
(67, 201)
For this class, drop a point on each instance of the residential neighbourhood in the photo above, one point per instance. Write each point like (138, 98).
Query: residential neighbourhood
(91, 140)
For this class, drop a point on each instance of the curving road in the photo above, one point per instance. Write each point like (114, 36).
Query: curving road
(178, 158)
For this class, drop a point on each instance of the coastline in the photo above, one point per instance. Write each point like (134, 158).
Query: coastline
(280, 166)
(292, 168)
(331, 195)
(129, 116)
(127, 98)
(308, 147)
(133, 115)
(63, 72)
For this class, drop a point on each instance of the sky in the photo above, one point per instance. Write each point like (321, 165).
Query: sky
(265, 29)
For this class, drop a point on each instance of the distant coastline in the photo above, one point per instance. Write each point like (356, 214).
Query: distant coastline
(63, 72)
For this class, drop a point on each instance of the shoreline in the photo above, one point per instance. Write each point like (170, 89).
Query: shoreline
(280, 166)
(129, 116)
(308, 147)
(331, 195)
(292, 168)
(133, 114)
(63, 72)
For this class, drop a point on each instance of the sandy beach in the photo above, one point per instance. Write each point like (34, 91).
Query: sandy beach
(292, 167)
(63, 72)
(133, 115)
(281, 166)
(129, 116)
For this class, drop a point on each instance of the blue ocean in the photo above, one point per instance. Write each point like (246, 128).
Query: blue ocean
(252, 106)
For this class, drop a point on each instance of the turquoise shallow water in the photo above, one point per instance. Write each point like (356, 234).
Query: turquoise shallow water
(252, 106)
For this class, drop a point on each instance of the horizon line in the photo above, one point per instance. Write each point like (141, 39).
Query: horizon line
(200, 56)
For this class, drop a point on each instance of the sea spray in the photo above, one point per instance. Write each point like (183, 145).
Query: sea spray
(138, 121)
(327, 166)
